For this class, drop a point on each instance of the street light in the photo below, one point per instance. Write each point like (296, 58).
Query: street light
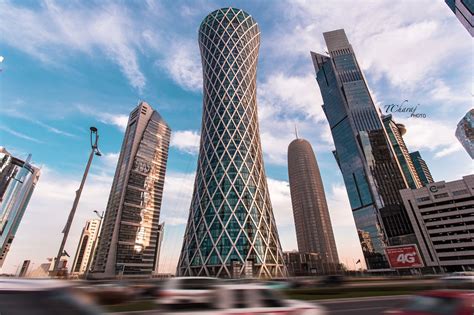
(94, 137)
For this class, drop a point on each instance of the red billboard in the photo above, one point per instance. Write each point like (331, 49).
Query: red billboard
(404, 256)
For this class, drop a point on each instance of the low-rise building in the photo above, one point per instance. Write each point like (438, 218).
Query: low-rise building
(442, 215)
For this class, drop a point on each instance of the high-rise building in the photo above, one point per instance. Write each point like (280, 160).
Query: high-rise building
(85, 248)
(421, 168)
(442, 214)
(18, 179)
(465, 132)
(310, 210)
(129, 240)
(464, 11)
(24, 268)
(368, 163)
(395, 132)
(231, 230)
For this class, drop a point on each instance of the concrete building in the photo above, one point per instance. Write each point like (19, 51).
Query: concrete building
(421, 168)
(129, 242)
(442, 215)
(464, 11)
(365, 156)
(18, 179)
(231, 231)
(313, 227)
(85, 248)
(465, 132)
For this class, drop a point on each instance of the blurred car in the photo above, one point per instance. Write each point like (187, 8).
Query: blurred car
(43, 297)
(333, 280)
(249, 299)
(438, 302)
(463, 279)
(187, 290)
(110, 292)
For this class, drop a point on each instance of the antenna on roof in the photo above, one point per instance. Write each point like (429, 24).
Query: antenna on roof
(296, 131)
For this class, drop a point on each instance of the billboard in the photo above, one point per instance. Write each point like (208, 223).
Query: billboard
(404, 256)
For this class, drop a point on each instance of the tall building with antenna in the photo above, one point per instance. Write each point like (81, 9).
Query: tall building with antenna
(313, 227)
(231, 230)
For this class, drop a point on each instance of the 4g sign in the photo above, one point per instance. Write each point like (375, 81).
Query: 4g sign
(405, 256)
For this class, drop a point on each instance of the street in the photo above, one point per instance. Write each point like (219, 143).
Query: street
(366, 306)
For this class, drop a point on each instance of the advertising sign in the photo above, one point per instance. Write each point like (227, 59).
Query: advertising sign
(404, 256)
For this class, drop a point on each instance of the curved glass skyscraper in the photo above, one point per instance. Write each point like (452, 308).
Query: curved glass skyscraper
(231, 231)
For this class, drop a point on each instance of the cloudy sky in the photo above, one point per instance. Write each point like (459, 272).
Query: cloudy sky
(70, 65)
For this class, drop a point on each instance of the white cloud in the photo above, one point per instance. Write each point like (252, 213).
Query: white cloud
(281, 201)
(186, 141)
(19, 134)
(118, 120)
(339, 207)
(48, 32)
(420, 136)
(181, 61)
(177, 195)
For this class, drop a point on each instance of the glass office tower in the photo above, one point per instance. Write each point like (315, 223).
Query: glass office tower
(421, 168)
(130, 236)
(363, 152)
(395, 134)
(465, 132)
(18, 179)
(231, 231)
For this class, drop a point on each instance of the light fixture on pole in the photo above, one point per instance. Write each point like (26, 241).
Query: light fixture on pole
(94, 137)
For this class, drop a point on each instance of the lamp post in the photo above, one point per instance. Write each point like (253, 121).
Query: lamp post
(94, 244)
(94, 137)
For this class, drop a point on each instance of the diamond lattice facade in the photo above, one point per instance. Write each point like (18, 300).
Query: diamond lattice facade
(231, 230)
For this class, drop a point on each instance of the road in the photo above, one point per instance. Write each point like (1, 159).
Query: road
(366, 306)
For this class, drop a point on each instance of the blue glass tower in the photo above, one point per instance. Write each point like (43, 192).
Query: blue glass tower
(371, 173)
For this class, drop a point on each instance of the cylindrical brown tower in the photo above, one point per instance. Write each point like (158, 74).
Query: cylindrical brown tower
(310, 210)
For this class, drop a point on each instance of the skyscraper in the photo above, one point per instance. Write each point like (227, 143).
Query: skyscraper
(310, 210)
(464, 11)
(395, 134)
(85, 248)
(129, 241)
(231, 231)
(18, 179)
(371, 173)
(465, 132)
(421, 168)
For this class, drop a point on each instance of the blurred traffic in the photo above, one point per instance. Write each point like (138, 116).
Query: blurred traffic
(333, 294)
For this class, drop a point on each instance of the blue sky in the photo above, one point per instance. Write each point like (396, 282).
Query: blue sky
(70, 65)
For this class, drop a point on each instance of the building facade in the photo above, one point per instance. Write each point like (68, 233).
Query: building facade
(371, 172)
(443, 219)
(86, 247)
(465, 132)
(231, 230)
(310, 210)
(305, 264)
(18, 179)
(421, 168)
(395, 134)
(129, 240)
(464, 11)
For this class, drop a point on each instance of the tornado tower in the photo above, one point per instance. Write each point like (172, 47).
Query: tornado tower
(231, 230)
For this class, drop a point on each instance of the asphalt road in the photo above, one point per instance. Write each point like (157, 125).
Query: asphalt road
(365, 306)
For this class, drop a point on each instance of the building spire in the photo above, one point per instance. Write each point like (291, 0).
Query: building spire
(296, 131)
